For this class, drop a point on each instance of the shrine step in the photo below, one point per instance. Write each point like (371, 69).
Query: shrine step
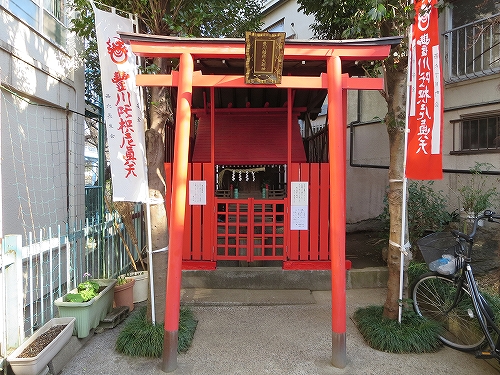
(277, 278)
(115, 317)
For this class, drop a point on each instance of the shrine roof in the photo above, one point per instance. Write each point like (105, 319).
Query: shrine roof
(227, 55)
(391, 40)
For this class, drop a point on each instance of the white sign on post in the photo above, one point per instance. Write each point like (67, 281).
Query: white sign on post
(299, 205)
(197, 193)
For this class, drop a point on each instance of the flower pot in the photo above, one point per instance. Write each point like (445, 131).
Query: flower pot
(88, 314)
(124, 294)
(38, 364)
(141, 286)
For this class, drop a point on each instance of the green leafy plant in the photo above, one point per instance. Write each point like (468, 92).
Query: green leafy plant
(426, 210)
(475, 195)
(413, 335)
(142, 338)
(86, 291)
(122, 280)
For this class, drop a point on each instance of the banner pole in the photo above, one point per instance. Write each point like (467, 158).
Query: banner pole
(150, 260)
(404, 252)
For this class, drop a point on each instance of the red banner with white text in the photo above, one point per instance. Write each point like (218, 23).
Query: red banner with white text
(425, 117)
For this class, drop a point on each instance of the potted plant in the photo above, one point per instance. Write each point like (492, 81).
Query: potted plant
(476, 196)
(124, 292)
(141, 284)
(34, 354)
(86, 305)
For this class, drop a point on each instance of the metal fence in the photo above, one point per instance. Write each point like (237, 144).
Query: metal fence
(472, 50)
(34, 275)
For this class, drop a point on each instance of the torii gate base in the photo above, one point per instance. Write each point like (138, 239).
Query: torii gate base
(332, 52)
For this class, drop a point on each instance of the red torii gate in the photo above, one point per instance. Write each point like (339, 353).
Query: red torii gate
(334, 53)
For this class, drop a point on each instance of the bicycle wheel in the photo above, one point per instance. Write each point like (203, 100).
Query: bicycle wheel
(433, 295)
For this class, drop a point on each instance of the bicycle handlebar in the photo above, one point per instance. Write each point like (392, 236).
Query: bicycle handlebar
(488, 214)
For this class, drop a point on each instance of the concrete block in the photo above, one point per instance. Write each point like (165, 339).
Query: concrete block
(371, 277)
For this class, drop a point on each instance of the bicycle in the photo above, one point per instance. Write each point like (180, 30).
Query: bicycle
(466, 319)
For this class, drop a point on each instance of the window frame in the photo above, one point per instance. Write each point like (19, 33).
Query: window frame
(479, 125)
(44, 21)
(464, 61)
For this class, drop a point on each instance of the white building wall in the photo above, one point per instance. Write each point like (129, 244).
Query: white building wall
(33, 139)
(294, 22)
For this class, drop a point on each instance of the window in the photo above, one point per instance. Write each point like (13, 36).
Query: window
(53, 24)
(26, 10)
(464, 12)
(277, 26)
(479, 133)
(472, 43)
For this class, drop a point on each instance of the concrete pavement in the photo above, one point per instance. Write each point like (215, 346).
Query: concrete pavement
(271, 332)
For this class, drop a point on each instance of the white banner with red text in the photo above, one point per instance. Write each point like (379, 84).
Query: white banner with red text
(122, 108)
(425, 117)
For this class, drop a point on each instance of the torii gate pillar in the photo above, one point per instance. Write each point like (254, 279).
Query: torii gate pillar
(337, 160)
(178, 212)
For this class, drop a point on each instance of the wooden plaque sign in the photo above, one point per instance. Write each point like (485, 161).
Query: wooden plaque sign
(264, 57)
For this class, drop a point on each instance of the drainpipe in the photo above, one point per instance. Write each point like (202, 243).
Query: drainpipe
(358, 122)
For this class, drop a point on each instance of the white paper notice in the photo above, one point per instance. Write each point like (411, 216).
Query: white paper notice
(299, 210)
(197, 193)
(299, 218)
(300, 193)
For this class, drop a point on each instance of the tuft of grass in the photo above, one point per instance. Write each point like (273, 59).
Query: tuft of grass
(141, 338)
(414, 335)
(415, 269)
(187, 327)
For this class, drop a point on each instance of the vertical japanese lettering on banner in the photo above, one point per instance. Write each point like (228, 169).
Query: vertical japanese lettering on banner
(425, 117)
(122, 109)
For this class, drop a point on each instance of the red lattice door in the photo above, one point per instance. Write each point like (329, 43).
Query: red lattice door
(250, 229)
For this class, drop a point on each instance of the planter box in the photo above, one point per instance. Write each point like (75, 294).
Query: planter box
(35, 365)
(141, 290)
(88, 314)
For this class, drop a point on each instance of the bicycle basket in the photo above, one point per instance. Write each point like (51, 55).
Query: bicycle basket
(435, 245)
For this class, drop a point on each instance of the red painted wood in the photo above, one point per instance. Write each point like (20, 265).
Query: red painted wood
(247, 139)
(268, 230)
(196, 212)
(203, 220)
(178, 210)
(314, 204)
(337, 153)
(186, 241)
(293, 248)
(209, 216)
(304, 234)
(311, 265)
(198, 265)
(352, 83)
(324, 209)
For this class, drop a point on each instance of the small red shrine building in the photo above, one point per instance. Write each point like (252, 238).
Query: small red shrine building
(240, 148)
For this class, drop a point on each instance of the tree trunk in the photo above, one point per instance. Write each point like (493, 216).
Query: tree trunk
(160, 106)
(395, 121)
(159, 227)
(160, 112)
